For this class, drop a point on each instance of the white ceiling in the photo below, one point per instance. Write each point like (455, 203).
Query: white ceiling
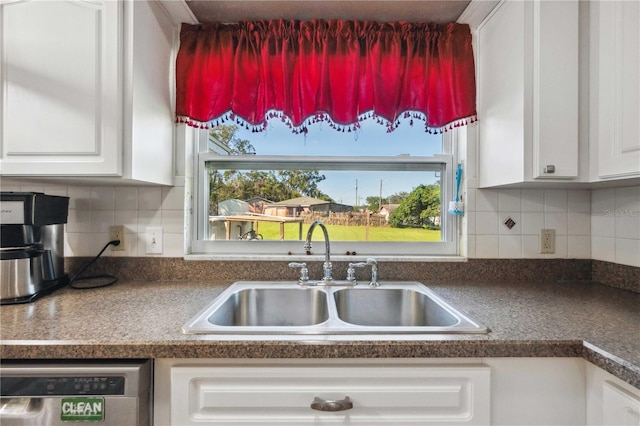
(227, 11)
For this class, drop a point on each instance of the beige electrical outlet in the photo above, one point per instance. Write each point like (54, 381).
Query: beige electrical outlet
(547, 241)
(117, 233)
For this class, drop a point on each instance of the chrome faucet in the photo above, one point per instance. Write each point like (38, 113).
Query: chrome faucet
(351, 271)
(304, 272)
(374, 272)
(326, 266)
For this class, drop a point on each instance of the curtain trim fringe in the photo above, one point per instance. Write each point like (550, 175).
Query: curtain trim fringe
(231, 118)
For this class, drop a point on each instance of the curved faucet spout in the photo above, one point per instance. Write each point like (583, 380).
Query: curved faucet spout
(326, 267)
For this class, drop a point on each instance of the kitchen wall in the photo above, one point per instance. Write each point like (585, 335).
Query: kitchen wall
(615, 225)
(566, 211)
(92, 209)
(602, 224)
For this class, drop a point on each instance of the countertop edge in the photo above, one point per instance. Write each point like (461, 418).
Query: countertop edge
(38, 349)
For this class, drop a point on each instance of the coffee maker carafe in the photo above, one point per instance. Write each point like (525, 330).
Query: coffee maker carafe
(31, 245)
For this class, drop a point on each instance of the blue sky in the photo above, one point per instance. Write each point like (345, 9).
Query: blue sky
(371, 140)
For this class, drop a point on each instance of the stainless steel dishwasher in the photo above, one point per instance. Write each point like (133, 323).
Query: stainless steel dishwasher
(66, 392)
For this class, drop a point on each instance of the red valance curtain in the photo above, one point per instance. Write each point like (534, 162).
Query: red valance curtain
(336, 71)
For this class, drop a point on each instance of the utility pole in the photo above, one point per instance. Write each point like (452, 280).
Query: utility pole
(379, 207)
(356, 192)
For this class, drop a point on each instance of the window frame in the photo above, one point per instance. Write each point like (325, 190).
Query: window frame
(292, 249)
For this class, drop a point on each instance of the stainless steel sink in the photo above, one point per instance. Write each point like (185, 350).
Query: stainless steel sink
(256, 307)
(391, 307)
(271, 307)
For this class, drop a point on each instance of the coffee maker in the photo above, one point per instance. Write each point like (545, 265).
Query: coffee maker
(31, 245)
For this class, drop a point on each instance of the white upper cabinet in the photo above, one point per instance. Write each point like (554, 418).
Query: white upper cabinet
(86, 90)
(61, 87)
(614, 123)
(527, 75)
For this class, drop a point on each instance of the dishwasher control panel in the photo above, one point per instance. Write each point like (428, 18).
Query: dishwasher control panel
(67, 385)
(74, 392)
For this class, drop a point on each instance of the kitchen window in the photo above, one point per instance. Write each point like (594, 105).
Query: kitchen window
(330, 84)
(356, 184)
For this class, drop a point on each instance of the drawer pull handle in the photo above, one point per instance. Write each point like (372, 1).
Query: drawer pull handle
(331, 405)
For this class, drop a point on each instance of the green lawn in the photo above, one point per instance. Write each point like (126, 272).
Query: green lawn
(271, 231)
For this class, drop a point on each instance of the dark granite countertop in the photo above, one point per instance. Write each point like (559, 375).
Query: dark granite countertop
(143, 319)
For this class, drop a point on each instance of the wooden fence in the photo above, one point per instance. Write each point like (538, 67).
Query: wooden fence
(347, 219)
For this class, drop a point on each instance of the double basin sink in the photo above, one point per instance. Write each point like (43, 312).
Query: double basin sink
(261, 307)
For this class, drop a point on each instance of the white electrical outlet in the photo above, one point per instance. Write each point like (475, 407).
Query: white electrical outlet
(117, 233)
(153, 240)
(547, 241)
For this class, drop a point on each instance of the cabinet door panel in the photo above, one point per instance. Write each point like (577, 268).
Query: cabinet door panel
(282, 395)
(501, 96)
(527, 68)
(61, 88)
(555, 89)
(615, 92)
(619, 407)
(628, 91)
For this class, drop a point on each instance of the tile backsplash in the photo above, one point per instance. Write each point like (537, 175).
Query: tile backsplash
(93, 209)
(615, 225)
(602, 224)
(487, 212)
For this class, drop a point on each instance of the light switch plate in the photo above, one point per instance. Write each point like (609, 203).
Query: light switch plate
(153, 240)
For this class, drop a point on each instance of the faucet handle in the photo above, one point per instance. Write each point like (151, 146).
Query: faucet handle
(351, 271)
(304, 272)
(374, 272)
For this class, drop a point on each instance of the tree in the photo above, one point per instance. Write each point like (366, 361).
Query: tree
(373, 203)
(226, 135)
(269, 184)
(419, 209)
(223, 185)
(397, 197)
(304, 182)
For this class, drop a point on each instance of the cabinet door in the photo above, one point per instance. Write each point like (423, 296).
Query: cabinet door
(619, 407)
(61, 88)
(282, 395)
(615, 89)
(500, 53)
(527, 73)
(555, 89)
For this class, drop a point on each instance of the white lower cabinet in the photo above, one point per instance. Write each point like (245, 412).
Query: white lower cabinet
(282, 393)
(537, 391)
(610, 401)
(470, 391)
(619, 407)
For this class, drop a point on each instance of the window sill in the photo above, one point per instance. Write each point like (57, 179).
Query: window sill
(320, 258)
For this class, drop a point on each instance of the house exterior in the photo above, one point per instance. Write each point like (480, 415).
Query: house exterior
(296, 206)
(386, 210)
(258, 204)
